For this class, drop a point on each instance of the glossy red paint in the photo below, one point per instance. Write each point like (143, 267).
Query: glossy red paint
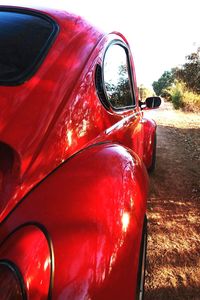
(150, 131)
(94, 222)
(32, 108)
(28, 248)
(77, 169)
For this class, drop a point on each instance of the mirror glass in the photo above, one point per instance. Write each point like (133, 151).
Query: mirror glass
(153, 102)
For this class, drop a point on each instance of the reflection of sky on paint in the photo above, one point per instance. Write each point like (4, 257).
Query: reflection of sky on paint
(161, 33)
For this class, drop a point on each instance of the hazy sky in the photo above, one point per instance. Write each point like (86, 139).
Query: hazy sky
(161, 32)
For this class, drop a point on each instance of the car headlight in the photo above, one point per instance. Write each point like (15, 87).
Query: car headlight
(11, 282)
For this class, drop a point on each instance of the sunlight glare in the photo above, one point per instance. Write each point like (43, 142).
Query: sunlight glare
(125, 221)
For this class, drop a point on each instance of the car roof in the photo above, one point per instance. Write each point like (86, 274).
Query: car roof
(61, 17)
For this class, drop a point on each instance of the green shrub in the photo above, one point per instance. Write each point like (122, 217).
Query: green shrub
(166, 95)
(177, 99)
(183, 98)
(176, 92)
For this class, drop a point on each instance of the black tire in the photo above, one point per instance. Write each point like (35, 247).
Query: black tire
(142, 263)
(153, 160)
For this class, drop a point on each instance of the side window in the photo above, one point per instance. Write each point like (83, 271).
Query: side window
(25, 38)
(116, 75)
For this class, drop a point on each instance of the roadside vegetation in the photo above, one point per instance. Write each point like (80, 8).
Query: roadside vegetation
(144, 92)
(181, 85)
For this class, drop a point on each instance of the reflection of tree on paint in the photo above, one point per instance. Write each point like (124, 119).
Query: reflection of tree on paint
(118, 89)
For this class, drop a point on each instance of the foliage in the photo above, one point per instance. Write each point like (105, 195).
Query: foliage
(191, 101)
(144, 92)
(166, 95)
(176, 92)
(182, 85)
(190, 72)
(184, 98)
(164, 82)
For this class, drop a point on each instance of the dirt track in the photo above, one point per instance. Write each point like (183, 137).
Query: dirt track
(173, 258)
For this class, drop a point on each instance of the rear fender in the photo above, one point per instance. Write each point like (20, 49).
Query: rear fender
(93, 207)
(28, 248)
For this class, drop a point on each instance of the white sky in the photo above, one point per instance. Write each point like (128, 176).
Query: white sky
(161, 32)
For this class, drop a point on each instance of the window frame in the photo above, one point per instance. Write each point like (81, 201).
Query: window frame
(130, 76)
(31, 70)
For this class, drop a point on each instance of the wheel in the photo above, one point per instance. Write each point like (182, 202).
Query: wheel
(142, 263)
(153, 160)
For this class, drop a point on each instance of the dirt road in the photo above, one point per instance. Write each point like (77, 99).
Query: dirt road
(173, 258)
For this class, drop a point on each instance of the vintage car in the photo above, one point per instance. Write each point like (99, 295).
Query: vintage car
(75, 148)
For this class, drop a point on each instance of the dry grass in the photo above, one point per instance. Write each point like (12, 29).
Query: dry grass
(184, 98)
(191, 101)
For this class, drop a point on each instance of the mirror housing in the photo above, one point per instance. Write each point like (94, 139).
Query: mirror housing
(153, 102)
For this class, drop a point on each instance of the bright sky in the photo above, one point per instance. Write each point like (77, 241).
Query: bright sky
(161, 32)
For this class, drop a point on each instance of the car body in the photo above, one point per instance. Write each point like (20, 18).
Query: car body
(74, 148)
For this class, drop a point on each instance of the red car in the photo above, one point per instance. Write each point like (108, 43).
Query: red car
(74, 150)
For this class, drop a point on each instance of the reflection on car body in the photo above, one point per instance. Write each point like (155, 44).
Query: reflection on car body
(75, 149)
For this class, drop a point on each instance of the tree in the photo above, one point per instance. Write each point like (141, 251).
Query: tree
(164, 82)
(189, 73)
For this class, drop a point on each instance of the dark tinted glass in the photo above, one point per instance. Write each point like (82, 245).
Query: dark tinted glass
(23, 41)
(116, 77)
(152, 102)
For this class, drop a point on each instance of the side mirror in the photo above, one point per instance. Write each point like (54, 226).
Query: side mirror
(153, 102)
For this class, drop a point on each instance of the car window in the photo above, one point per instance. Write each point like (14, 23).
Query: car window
(116, 74)
(24, 38)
